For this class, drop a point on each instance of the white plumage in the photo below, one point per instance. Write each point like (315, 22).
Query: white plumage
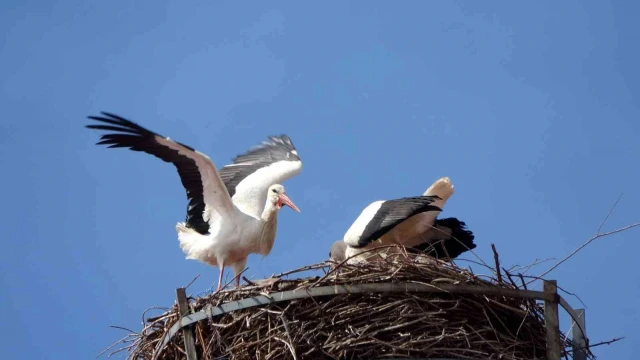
(409, 222)
(231, 213)
(250, 194)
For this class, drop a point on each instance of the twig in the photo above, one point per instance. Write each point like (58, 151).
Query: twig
(524, 286)
(189, 284)
(609, 214)
(248, 281)
(536, 278)
(597, 236)
(114, 344)
(496, 259)
(525, 268)
(123, 328)
(607, 342)
(286, 328)
(572, 294)
(144, 313)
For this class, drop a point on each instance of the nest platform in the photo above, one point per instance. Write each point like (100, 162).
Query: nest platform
(400, 308)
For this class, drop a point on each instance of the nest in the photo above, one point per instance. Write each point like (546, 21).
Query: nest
(369, 325)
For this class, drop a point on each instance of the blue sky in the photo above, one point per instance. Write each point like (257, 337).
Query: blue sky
(531, 109)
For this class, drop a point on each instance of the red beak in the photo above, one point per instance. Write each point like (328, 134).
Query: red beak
(284, 199)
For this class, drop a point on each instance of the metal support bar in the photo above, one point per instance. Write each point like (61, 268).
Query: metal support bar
(187, 331)
(579, 341)
(551, 320)
(573, 314)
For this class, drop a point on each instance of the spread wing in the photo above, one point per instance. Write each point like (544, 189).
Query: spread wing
(251, 174)
(205, 190)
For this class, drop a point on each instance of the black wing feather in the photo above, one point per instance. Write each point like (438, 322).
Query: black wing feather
(276, 148)
(392, 213)
(461, 240)
(135, 137)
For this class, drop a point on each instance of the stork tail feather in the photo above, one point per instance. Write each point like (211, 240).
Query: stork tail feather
(461, 240)
(190, 240)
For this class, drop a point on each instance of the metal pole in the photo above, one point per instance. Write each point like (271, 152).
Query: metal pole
(579, 342)
(187, 331)
(551, 321)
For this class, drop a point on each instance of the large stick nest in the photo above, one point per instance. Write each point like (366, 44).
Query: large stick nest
(360, 326)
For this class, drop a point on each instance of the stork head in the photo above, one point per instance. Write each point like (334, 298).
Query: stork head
(278, 198)
(337, 251)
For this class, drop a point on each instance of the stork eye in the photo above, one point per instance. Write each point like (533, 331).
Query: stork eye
(274, 190)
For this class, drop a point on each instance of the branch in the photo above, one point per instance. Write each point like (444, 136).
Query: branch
(609, 214)
(607, 342)
(525, 268)
(496, 259)
(599, 234)
(194, 279)
(585, 244)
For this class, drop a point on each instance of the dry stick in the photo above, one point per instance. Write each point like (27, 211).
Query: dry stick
(607, 342)
(583, 245)
(189, 284)
(112, 345)
(495, 257)
(598, 235)
(286, 328)
(510, 278)
(523, 269)
(608, 214)
(302, 269)
(124, 328)
(198, 329)
(149, 309)
(572, 294)
(535, 278)
(249, 281)
(524, 286)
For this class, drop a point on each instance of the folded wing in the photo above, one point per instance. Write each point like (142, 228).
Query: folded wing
(381, 216)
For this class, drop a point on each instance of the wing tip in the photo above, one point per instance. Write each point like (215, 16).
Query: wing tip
(282, 140)
(273, 149)
(105, 114)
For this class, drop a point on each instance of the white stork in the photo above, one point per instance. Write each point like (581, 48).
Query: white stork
(410, 222)
(231, 214)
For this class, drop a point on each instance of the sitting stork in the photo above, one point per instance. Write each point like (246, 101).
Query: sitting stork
(231, 214)
(384, 223)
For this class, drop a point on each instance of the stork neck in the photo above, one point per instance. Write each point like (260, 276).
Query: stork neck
(269, 213)
(269, 221)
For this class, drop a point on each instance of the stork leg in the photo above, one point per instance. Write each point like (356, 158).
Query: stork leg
(220, 276)
(238, 267)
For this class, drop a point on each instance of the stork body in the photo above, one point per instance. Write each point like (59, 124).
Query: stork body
(226, 219)
(415, 229)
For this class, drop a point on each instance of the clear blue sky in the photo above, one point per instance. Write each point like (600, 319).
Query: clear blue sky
(531, 109)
